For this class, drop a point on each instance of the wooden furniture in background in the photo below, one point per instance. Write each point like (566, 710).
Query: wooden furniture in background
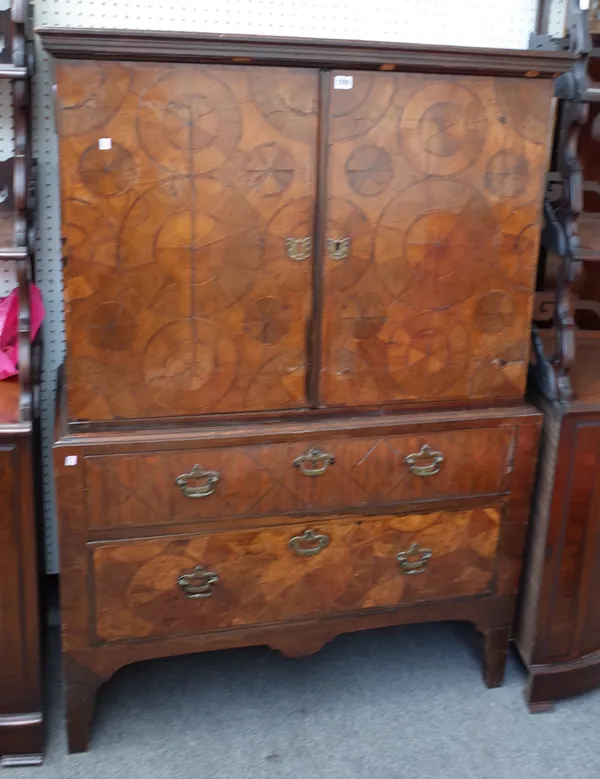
(558, 628)
(298, 300)
(21, 738)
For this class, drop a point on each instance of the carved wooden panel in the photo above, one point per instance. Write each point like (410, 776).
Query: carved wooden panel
(436, 182)
(180, 186)
(262, 480)
(262, 579)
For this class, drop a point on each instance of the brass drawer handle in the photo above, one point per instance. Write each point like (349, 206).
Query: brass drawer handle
(318, 462)
(210, 480)
(411, 566)
(425, 453)
(319, 541)
(198, 583)
(338, 248)
(298, 249)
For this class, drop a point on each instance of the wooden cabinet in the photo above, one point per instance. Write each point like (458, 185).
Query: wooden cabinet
(298, 301)
(558, 628)
(558, 631)
(21, 736)
(21, 732)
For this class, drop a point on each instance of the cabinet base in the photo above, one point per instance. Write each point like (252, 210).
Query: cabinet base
(549, 683)
(86, 670)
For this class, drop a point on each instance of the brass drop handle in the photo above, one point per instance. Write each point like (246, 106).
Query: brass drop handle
(317, 541)
(198, 583)
(338, 248)
(298, 249)
(418, 463)
(414, 559)
(188, 482)
(313, 462)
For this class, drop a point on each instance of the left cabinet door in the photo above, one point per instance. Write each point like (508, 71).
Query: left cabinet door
(187, 208)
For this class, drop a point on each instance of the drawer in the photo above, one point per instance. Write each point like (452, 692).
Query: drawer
(211, 581)
(129, 490)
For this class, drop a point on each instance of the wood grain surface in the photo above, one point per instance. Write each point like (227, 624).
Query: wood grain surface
(262, 580)
(558, 627)
(181, 298)
(437, 182)
(21, 733)
(9, 401)
(261, 480)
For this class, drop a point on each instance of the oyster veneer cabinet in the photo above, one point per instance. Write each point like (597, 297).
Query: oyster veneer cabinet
(298, 292)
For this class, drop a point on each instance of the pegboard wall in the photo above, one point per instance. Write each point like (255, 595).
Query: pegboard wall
(491, 23)
(8, 278)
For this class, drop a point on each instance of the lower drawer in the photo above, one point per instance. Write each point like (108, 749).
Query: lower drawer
(209, 581)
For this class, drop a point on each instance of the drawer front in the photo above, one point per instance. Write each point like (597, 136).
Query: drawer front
(210, 581)
(323, 475)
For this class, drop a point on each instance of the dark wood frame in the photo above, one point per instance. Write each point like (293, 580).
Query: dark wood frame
(21, 726)
(554, 567)
(301, 52)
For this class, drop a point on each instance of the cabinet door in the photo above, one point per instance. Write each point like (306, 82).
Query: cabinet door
(187, 197)
(435, 188)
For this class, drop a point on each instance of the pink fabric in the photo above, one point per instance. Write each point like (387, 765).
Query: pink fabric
(9, 319)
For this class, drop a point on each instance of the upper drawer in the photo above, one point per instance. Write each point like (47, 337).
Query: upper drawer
(270, 479)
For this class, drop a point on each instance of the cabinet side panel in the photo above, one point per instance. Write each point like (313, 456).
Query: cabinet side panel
(11, 635)
(528, 622)
(567, 538)
(19, 628)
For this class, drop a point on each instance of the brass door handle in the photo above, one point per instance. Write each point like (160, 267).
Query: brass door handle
(415, 462)
(414, 559)
(338, 248)
(317, 541)
(318, 462)
(198, 583)
(298, 249)
(187, 482)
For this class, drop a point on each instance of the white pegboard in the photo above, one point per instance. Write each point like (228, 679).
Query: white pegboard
(504, 24)
(8, 277)
(462, 22)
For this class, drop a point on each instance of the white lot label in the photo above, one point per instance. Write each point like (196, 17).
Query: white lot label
(71, 459)
(343, 82)
(104, 144)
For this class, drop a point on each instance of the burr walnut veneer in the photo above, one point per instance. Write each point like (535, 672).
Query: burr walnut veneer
(298, 281)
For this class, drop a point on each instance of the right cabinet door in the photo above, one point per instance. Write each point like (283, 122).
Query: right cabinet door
(435, 187)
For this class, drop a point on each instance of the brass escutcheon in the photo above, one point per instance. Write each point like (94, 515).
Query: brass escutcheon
(298, 249)
(338, 248)
(411, 567)
(210, 479)
(425, 453)
(318, 542)
(318, 462)
(198, 583)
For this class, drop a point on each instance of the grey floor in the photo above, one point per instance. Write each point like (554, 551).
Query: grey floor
(387, 704)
